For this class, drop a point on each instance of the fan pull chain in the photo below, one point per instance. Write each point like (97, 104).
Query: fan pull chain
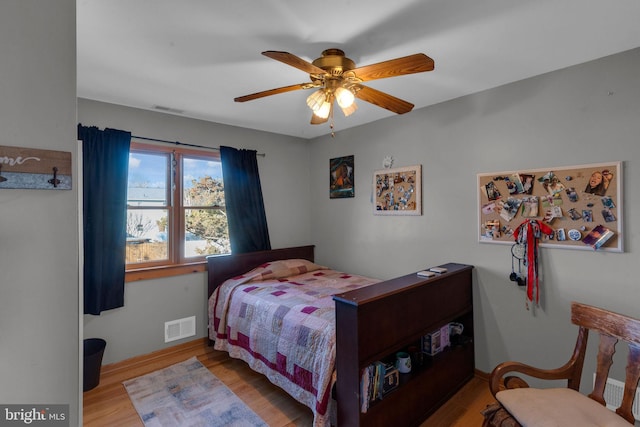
(333, 132)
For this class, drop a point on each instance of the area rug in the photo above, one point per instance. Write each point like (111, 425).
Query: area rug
(188, 394)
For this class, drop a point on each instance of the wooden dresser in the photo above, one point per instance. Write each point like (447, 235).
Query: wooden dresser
(375, 322)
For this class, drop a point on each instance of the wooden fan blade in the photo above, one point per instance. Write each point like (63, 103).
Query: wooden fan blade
(315, 120)
(411, 64)
(273, 92)
(383, 100)
(294, 61)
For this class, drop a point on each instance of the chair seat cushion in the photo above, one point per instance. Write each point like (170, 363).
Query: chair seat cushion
(557, 407)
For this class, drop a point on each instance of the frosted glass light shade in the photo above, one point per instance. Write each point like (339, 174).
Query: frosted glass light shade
(316, 99)
(324, 110)
(350, 109)
(344, 97)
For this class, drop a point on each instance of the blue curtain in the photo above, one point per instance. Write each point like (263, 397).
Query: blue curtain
(247, 220)
(105, 158)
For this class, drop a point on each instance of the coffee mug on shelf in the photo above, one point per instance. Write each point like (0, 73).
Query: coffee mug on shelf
(403, 362)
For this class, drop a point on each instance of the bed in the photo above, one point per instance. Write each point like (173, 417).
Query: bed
(356, 321)
(275, 310)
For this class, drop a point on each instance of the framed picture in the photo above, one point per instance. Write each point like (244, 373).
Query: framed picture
(582, 204)
(398, 191)
(341, 177)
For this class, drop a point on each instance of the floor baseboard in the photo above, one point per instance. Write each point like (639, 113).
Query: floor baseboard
(145, 359)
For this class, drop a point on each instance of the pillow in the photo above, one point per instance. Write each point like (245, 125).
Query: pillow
(282, 269)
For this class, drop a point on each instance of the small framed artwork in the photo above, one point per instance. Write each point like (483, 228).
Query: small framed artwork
(398, 191)
(341, 178)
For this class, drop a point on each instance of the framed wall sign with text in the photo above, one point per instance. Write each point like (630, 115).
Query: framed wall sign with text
(30, 168)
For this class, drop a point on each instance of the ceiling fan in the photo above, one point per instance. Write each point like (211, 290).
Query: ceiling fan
(338, 79)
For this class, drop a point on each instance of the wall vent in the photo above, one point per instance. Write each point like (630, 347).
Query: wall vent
(613, 392)
(181, 328)
(168, 109)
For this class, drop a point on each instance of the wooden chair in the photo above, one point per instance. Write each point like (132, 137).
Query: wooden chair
(520, 405)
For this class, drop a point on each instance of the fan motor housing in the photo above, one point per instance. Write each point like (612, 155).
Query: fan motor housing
(334, 62)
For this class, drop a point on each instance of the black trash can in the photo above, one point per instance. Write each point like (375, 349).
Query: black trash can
(93, 352)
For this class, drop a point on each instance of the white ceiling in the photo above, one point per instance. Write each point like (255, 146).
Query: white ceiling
(197, 55)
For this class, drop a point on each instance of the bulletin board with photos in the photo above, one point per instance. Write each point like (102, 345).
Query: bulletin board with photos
(398, 191)
(582, 204)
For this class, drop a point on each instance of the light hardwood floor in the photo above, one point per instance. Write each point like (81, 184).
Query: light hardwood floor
(108, 404)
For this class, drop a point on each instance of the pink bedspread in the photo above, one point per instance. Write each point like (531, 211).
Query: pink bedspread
(280, 319)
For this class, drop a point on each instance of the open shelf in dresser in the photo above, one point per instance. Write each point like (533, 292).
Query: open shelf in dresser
(373, 323)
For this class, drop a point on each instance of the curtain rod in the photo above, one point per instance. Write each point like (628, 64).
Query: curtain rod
(184, 144)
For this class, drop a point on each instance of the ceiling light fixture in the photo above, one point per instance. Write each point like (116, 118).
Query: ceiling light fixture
(320, 101)
(316, 99)
(344, 97)
(350, 109)
(324, 110)
(336, 78)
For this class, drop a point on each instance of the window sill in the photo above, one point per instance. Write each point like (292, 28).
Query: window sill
(135, 275)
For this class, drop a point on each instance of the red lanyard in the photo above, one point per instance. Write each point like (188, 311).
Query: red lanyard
(528, 233)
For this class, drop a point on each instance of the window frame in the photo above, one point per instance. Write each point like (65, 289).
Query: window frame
(177, 263)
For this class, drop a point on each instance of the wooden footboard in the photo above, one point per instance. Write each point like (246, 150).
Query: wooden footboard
(375, 322)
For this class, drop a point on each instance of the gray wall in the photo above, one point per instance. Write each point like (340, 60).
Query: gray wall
(580, 115)
(138, 327)
(39, 324)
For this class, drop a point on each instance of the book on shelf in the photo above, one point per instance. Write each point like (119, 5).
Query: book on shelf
(377, 380)
(598, 236)
(364, 390)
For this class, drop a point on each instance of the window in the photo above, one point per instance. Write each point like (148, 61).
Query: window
(175, 207)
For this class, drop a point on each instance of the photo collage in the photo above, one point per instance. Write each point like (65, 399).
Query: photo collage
(580, 203)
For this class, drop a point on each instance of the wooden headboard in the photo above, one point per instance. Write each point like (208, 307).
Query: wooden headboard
(223, 267)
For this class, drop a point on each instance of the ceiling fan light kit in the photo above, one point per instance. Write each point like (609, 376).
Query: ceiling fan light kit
(344, 97)
(338, 80)
(350, 109)
(325, 110)
(316, 99)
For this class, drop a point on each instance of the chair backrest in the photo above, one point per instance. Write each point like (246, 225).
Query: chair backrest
(612, 327)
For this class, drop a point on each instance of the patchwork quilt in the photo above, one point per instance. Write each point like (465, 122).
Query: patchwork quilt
(280, 319)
